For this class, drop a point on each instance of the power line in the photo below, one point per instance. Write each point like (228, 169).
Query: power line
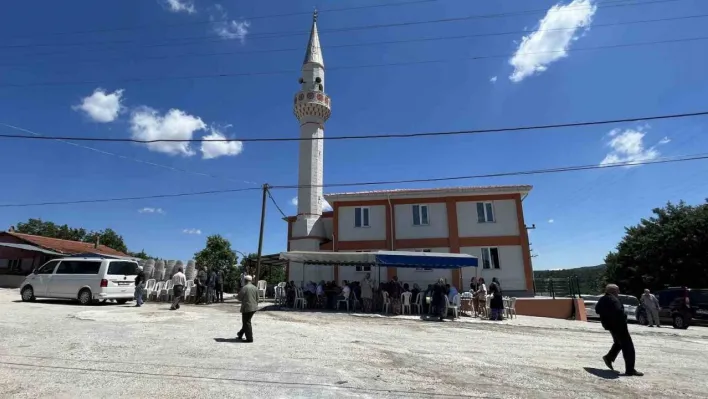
(365, 137)
(350, 45)
(271, 35)
(207, 22)
(168, 167)
(428, 180)
(276, 204)
(353, 67)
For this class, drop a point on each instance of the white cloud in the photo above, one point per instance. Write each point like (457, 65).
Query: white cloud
(151, 210)
(180, 6)
(551, 221)
(550, 42)
(101, 106)
(192, 231)
(226, 28)
(147, 124)
(325, 205)
(628, 146)
(493, 79)
(215, 149)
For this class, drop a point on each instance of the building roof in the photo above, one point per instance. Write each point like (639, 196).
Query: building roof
(443, 191)
(27, 247)
(313, 54)
(65, 247)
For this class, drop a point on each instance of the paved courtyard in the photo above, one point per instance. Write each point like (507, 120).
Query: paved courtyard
(57, 349)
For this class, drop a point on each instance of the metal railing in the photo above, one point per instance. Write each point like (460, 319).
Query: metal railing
(557, 287)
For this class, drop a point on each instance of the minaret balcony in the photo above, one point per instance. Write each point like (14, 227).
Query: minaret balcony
(312, 103)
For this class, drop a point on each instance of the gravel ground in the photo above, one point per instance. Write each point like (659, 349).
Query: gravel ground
(57, 349)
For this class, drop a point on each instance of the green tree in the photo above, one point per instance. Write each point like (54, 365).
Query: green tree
(667, 249)
(218, 255)
(111, 239)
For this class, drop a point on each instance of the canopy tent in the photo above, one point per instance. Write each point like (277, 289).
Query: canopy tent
(398, 259)
(402, 259)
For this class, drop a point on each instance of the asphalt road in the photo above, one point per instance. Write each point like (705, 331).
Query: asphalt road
(55, 349)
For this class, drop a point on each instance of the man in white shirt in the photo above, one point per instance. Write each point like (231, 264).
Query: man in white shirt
(367, 292)
(178, 282)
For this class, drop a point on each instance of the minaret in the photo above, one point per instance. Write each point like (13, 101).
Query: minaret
(312, 109)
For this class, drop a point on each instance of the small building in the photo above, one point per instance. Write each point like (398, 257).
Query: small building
(486, 222)
(21, 253)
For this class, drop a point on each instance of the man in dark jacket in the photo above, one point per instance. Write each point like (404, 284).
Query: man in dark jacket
(201, 285)
(248, 296)
(614, 320)
(438, 300)
(139, 287)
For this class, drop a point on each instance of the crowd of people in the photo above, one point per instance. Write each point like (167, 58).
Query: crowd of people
(329, 294)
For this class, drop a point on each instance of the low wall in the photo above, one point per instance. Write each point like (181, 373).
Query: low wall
(11, 281)
(559, 308)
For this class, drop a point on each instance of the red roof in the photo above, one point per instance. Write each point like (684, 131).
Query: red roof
(65, 246)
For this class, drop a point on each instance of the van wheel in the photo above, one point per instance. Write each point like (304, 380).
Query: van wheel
(121, 301)
(28, 294)
(85, 297)
(680, 322)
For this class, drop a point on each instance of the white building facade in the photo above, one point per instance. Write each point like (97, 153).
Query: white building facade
(487, 222)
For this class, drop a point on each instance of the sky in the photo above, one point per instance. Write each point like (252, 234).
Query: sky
(146, 69)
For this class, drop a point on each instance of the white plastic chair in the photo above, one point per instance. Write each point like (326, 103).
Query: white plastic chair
(300, 301)
(418, 304)
(406, 302)
(511, 309)
(455, 306)
(155, 292)
(345, 300)
(165, 291)
(386, 302)
(262, 285)
(149, 286)
(278, 291)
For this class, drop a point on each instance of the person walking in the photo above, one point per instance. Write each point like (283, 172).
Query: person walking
(220, 286)
(248, 296)
(179, 280)
(139, 287)
(496, 305)
(201, 285)
(651, 308)
(614, 320)
(367, 292)
(438, 300)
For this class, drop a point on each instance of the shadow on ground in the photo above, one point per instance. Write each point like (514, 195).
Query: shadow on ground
(604, 374)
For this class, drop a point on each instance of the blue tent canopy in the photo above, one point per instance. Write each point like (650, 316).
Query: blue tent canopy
(402, 259)
(428, 260)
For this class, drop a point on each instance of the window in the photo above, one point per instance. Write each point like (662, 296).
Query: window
(490, 258)
(48, 268)
(422, 269)
(123, 268)
(363, 268)
(14, 264)
(485, 212)
(78, 267)
(420, 215)
(361, 217)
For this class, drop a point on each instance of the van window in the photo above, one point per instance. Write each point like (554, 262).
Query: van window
(78, 267)
(123, 268)
(48, 268)
(699, 297)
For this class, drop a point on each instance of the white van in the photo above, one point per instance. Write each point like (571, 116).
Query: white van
(85, 279)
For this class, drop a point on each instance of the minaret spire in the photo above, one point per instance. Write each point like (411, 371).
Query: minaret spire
(313, 54)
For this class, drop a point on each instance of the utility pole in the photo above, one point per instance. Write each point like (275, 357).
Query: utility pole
(260, 235)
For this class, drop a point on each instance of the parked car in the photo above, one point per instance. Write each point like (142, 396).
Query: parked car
(679, 306)
(629, 302)
(87, 280)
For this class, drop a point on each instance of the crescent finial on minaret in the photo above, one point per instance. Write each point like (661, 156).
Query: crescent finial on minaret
(314, 15)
